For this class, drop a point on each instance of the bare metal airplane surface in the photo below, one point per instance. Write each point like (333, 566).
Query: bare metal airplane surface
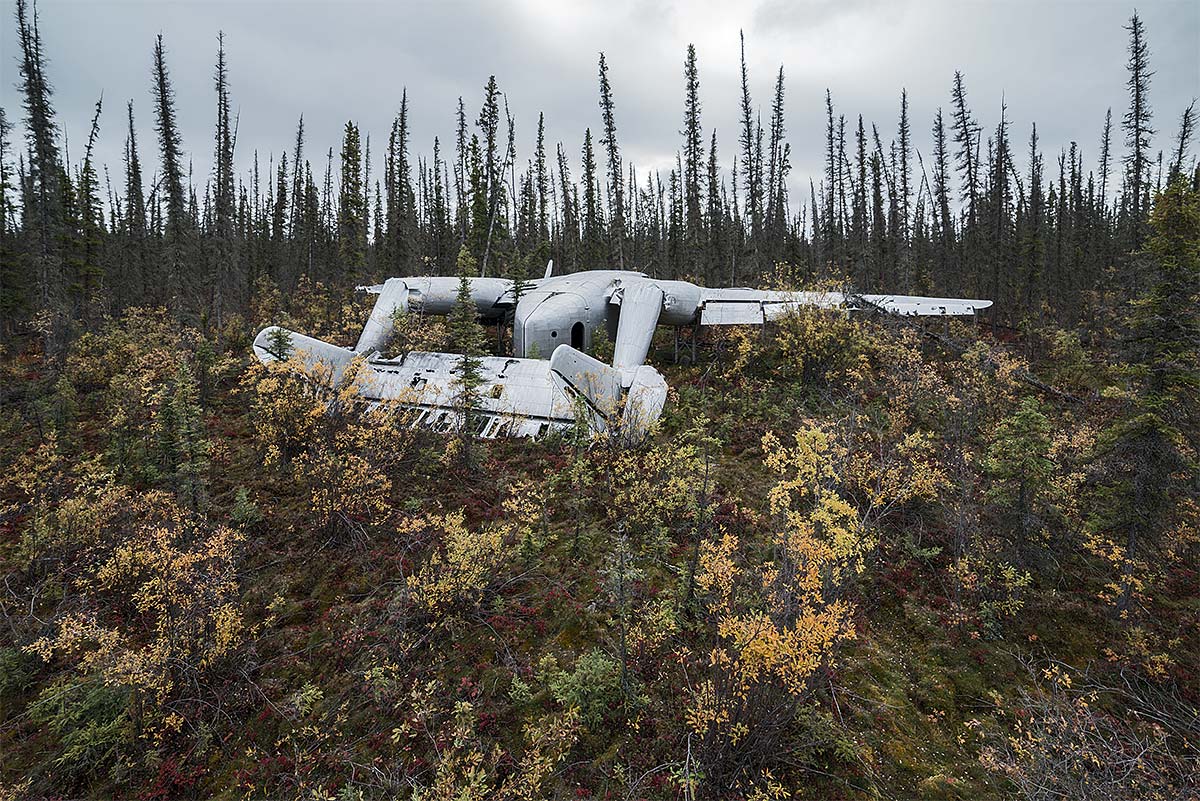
(550, 380)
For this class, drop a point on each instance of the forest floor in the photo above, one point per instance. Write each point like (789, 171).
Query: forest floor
(342, 688)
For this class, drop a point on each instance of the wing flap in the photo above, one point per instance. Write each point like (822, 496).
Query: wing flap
(731, 313)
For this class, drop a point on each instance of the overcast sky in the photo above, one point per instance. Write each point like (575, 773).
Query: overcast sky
(1055, 62)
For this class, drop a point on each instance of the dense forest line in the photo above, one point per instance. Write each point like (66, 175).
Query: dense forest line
(983, 215)
(860, 556)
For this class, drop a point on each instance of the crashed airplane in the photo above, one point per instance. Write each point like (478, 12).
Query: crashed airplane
(551, 380)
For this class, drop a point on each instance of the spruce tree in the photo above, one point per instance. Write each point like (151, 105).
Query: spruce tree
(592, 248)
(751, 168)
(492, 170)
(999, 208)
(693, 161)
(1137, 132)
(367, 235)
(1144, 453)
(279, 205)
(222, 232)
(903, 172)
(42, 195)
(966, 132)
(859, 219)
(1187, 123)
(279, 344)
(460, 171)
(469, 341)
(12, 277)
(134, 286)
(281, 265)
(830, 200)
(171, 154)
(477, 193)
(1019, 465)
(87, 273)
(776, 213)
(616, 193)
(297, 193)
(941, 191)
(352, 231)
(1105, 166)
(399, 193)
(716, 216)
(1033, 245)
(568, 256)
(904, 179)
(541, 181)
(879, 231)
(189, 446)
(441, 236)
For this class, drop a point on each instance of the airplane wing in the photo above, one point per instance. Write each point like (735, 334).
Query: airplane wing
(758, 306)
(918, 306)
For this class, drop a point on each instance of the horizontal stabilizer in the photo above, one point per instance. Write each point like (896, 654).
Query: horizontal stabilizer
(276, 344)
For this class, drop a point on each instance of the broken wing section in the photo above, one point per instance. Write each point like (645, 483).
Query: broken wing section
(276, 344)
(917, 306)
(755, 307)
(516, 398)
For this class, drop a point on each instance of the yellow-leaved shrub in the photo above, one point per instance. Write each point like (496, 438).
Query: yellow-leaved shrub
(779, 622)
(155, 599)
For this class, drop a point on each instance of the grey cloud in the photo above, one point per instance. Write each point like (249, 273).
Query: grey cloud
(1060, 63)
(781, 17)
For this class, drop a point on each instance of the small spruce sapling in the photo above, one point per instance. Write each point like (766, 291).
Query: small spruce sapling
(468, 339)
(279, 344)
